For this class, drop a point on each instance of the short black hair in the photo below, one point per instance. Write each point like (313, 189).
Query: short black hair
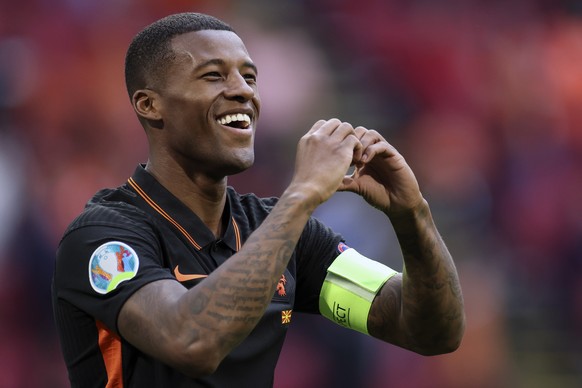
(150, 50)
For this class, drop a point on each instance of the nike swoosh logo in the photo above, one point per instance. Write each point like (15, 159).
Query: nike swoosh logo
(185, 277)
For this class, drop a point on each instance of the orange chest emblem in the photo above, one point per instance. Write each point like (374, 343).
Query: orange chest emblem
(281, 286)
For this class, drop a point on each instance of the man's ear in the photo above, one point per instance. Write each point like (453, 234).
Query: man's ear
(146, 104)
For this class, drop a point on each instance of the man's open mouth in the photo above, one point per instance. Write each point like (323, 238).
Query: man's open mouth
(239, 120)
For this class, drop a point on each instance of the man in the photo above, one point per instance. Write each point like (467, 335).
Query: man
(176, 280)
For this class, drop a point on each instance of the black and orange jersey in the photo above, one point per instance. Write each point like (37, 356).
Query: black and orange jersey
(138, 233)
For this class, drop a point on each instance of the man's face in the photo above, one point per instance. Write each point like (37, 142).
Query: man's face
(210, 103)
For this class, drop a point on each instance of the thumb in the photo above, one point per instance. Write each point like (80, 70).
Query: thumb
(348, 183)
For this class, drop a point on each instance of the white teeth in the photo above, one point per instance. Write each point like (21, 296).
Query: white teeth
(235, 117)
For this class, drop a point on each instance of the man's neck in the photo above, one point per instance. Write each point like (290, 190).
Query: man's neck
(204, 196)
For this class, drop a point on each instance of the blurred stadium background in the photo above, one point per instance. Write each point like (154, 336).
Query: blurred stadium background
(484, 99)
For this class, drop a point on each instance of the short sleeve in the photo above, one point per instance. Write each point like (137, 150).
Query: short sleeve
(316, 250)
(98, 267)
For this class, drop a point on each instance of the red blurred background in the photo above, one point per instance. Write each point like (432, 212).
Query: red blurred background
(483, 98)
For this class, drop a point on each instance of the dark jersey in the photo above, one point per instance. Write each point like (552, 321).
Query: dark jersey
(139, 233)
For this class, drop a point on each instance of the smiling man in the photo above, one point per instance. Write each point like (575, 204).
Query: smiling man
(176, 280)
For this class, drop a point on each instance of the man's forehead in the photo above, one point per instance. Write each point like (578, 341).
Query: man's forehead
(200, 45)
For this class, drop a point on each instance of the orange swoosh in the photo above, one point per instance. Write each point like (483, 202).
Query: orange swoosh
(184, 278)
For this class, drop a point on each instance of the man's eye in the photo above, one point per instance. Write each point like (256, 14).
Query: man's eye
(250, 77)
(212, 75)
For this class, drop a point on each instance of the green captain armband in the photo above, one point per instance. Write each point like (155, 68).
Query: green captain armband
(349, 288)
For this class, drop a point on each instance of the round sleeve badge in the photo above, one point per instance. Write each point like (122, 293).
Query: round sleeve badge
(111, 264)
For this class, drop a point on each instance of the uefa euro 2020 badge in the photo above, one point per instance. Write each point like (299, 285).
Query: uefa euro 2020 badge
(111, 264)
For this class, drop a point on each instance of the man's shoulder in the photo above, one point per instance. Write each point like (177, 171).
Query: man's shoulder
(251, 200)
(249, 209)
(110, 206)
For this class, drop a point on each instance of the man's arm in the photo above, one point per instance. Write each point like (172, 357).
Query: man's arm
(193, 330)
(422, 308)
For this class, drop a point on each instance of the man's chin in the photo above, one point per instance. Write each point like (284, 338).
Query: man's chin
(240, 167)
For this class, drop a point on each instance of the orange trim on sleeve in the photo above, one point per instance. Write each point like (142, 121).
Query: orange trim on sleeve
(110, 346)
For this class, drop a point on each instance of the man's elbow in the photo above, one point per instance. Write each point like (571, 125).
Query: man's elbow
(197, 368)
(444, 344)
(441, 348)
(197, 361)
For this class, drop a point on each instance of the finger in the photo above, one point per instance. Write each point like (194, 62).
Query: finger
(348, 138)
(358, 152)
(327, 127)
(348, 184)
(360, 131)
(382, 148)
(369, 140)
(370, 137)
(316, 126)
(367, 137)
(344, 130)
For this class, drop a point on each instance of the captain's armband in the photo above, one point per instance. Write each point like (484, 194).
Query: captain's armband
(349, 288)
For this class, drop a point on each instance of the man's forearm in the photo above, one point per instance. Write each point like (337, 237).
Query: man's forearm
(432, 302)
(232, 300)
(422, 309)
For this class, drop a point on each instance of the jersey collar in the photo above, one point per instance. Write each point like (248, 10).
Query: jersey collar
(158, 201)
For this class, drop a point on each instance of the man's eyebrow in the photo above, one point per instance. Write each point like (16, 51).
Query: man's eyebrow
(252, 66)
(220, 62)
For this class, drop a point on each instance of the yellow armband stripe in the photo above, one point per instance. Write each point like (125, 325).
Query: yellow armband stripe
(349, 288)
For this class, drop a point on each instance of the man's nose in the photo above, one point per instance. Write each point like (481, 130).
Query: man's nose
(239, 88)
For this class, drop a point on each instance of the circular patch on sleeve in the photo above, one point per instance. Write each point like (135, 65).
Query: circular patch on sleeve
(111, 264)
(341, 247)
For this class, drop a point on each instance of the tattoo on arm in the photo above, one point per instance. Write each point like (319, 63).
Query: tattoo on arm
(233, 302)
(421, 310)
